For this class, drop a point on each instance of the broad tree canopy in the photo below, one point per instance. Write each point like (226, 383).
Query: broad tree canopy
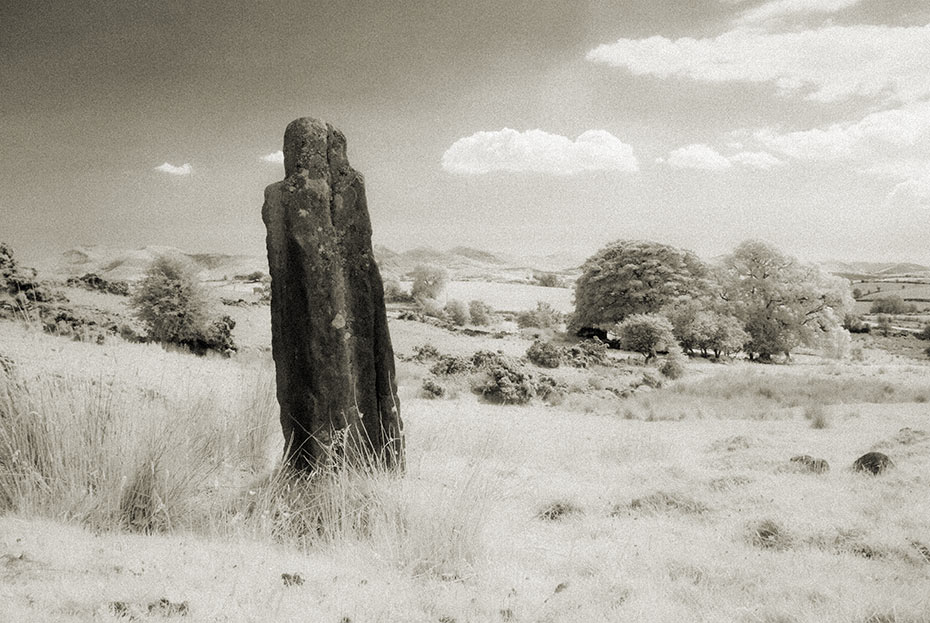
(634, 277)
(781, 302)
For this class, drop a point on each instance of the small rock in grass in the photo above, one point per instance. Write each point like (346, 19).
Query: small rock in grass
(873, 462)
(808, 464)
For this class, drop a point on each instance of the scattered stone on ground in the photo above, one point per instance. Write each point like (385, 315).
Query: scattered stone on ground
(167, 608)
(807, 464)
(873, 462)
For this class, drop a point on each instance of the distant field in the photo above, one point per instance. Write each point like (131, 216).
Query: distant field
(507, 296)
(877, 289)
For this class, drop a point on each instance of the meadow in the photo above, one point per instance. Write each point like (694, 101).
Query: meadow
(139, 483)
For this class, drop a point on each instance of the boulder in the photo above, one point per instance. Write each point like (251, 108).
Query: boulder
(808, 464)
(334, 362)
(873, 463)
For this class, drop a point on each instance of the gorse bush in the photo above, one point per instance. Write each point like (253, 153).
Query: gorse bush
(543, 317)
(544, 354)
(175, 309)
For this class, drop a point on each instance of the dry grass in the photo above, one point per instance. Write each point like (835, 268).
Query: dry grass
(142, 475)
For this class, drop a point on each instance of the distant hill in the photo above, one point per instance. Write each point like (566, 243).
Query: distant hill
(876, 270)
(463, 263)
(130, 264)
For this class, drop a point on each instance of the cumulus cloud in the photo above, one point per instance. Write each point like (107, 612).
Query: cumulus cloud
(890, 144)
(698, 156)
(276, 157)
(897, 133)
(184, 169)
(535, 151)
(778, 9)
(830, 64)
(701, 156)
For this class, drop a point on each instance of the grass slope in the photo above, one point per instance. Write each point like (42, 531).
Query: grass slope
(133, 475)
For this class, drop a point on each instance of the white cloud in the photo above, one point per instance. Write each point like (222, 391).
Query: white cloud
(276, 157)
(184, 169)
(536, 151)
(701, 156)
(761, 160)
(889, 144)
(831, 63)
(778, 9)
(698, 156)
(888, 134)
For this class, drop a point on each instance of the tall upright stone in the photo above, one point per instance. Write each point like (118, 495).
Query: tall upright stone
(333, 357)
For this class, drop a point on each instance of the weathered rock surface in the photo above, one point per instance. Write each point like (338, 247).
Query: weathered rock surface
(332, 350)
(808, 464)
(873, 463)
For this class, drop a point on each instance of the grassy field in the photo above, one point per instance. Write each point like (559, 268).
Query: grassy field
(137, 483)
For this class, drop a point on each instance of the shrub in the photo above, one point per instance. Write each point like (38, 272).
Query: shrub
(505, 381)
(432, 308)
(645, 334)
(425, 352)
(428, 281)
(93, 281)
(586, 353)
(883, 324)
(174, 307)
(893, 304)
(543, 317)
(544, 354)
(480, 312)
(432, 389)
(450, 364)
(548, 280)
(854, 324)
(672, 368)
(394, 293)
(924, 333)
(457, 312)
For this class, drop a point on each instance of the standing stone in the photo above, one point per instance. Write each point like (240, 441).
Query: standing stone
(333, 357)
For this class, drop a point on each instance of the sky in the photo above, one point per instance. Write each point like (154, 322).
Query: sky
(531, 127)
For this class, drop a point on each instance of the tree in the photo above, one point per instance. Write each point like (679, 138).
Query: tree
(781, 303)
(480, 312)
(174, 306)
(893, 304)
(645, 334)
(634, 277)
(428, 281)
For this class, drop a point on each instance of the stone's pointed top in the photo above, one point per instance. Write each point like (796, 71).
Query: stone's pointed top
(313, 146)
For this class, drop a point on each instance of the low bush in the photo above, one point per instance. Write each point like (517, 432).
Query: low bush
(432, 308)
(457, 312)
(480, 312)
(672, 368)
(451, 364)
(94, 282)
(431, 388)
(504, 381)
(586, 353)
(924, 333)
(544, 354)
(543, 317)
(425, 352)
